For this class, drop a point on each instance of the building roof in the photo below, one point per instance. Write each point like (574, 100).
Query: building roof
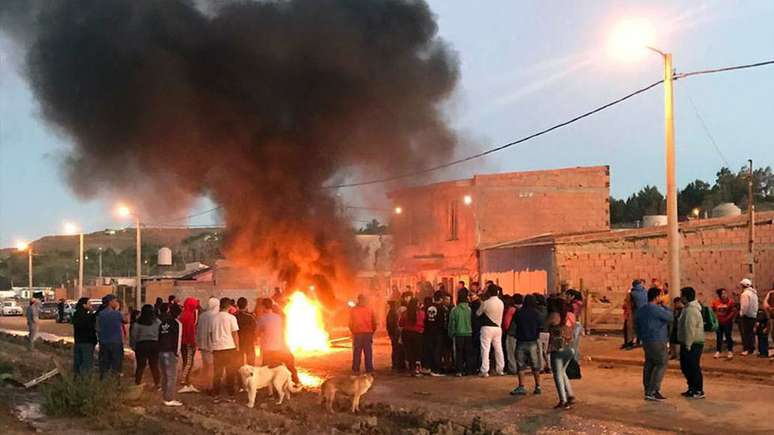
(761, 218)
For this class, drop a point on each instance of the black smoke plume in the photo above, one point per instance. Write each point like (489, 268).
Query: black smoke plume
(256, 104)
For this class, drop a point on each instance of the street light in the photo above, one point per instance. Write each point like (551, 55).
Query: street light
(24, 246)
(73, 229)
(124, 211)
(398, 210)
(467, 199)
(630, 39)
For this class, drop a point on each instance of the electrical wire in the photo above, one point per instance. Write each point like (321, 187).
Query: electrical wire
(501, 147)
(706, 130)
(526, 138)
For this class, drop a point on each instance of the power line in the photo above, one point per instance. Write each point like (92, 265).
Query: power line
(724, 69)
(550, 129)
(502, 147)
(706, 129)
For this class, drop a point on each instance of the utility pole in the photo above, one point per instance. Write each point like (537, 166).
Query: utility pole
(138, 291)
(29, 267)
(100, 265)
(80, 267)
(751, 212)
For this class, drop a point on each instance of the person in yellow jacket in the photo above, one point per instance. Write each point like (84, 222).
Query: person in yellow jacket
(690, 334)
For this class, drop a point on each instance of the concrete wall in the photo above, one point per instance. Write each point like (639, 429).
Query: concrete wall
(519, 270)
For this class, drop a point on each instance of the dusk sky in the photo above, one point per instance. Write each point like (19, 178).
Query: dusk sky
(525, 66)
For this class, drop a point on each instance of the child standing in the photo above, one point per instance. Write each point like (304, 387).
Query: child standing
(761, 330)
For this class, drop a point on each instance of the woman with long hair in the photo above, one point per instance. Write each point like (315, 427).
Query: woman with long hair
(144, 340)
(412, 325)
(561, 324)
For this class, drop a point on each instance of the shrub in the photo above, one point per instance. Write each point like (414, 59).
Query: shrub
(86, 396)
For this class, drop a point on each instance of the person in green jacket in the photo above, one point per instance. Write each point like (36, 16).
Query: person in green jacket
(690, 334)
(461, 331)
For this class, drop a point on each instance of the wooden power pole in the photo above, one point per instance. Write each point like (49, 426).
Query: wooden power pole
(751, 212)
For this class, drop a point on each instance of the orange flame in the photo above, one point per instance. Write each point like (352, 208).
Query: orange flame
(305, 330)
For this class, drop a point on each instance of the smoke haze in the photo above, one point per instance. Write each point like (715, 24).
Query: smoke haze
(254, 104)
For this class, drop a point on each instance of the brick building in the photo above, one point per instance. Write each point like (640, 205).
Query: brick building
(441, 228)
(713, 255)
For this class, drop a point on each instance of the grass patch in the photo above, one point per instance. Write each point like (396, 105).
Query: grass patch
(81, 396)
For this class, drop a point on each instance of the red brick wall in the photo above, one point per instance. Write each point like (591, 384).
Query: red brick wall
(505, 207)
(522, 204)
(714, 255)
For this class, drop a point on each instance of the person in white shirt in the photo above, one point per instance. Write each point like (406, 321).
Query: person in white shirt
(224, 342)
(748, 312)
(203, 338)
(490, 314)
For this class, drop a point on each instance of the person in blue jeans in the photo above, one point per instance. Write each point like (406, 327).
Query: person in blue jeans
(362, 324)
(560, 328)
(170, 332)
(110, 336)
(85, 335)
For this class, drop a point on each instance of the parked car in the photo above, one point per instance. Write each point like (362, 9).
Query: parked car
(49, 310)
(11, 308)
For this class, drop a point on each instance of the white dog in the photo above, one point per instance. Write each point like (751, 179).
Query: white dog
(277, 378)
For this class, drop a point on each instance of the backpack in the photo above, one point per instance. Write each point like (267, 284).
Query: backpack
(710, 319)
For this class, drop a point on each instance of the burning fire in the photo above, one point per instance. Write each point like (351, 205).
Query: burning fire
(305, 330)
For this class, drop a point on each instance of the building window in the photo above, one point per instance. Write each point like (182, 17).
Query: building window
(453, 213)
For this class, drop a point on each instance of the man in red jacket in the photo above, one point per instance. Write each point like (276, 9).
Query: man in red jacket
(362, 324)
(725, 310)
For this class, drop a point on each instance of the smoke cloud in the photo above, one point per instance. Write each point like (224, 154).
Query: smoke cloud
(255, 104)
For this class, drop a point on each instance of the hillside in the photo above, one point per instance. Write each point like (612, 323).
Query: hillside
(118, 240)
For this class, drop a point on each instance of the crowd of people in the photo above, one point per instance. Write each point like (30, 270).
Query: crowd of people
(679, 331)
(486, 333)
(225, 334)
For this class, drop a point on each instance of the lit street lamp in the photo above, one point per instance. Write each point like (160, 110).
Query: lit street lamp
(24, 246)
(73, 229)
(124, 211)
(629, 39)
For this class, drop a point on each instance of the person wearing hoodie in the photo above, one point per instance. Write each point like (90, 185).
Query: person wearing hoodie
(170, 334)
(748, 312)
(144, 340)
(203, 340)
(461, 331)
(85, 335)
(188, 321)
(690, 334)
(639, 298)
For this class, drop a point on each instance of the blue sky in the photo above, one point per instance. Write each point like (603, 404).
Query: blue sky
(525, 65)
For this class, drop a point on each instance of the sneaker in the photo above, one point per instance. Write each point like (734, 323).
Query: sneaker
(560, 405)
(483, 375)
(745, 353)
(571, 400)
(458, 374)
(688, 393)
(730, 355)
(172, 403)
(659, 396)
(437, 375)
(539, 390)
(188, 389)
(698, 395)
(717, 355)
(500, 374)
(650, 397)
(519, 391)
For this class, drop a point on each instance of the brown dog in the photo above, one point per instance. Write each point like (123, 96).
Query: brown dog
(355, 386)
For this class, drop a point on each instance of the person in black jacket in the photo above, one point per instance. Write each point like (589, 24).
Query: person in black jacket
(85, 334)
(393, 330)
(247, 334)
(170, 333)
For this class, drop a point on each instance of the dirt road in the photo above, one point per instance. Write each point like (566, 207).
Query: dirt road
(610, 401)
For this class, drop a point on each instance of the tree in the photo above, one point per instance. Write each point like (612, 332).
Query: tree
(695, 195)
